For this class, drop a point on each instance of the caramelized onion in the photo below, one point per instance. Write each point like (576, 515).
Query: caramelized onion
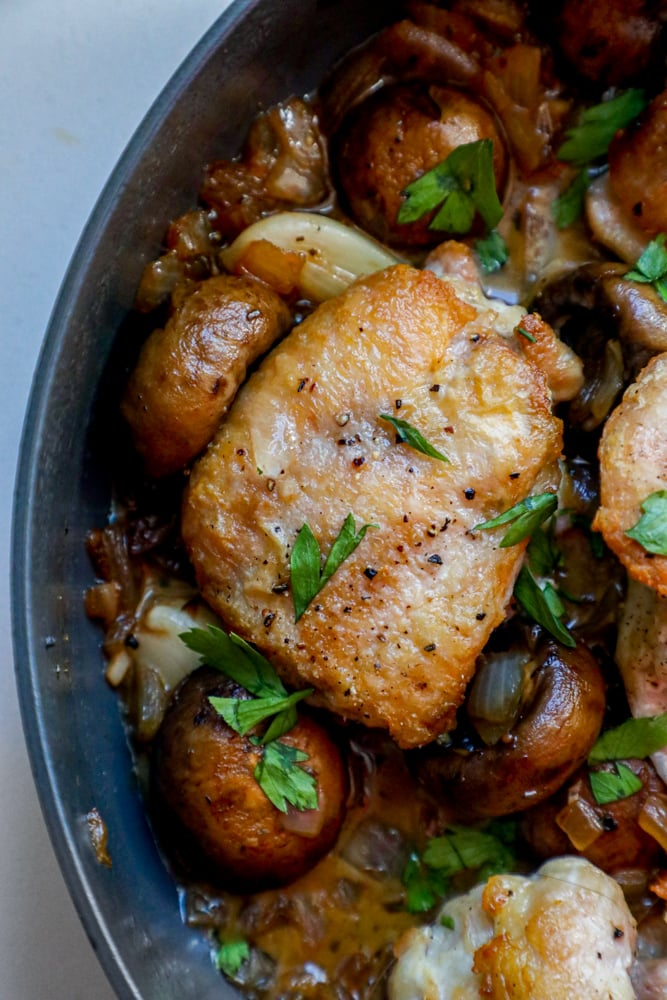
(580, 821)
(333, 254)
(653, 818)
(495, 695)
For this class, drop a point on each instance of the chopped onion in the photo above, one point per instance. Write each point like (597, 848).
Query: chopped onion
(495, 695)
(103, 602)
(334, 254)
(579, 820)
(117, 668)
(653, 818)
(158, 645)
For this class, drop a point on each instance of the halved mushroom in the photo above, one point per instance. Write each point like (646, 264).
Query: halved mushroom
(188, 373)
(615, 325)
(563, 708)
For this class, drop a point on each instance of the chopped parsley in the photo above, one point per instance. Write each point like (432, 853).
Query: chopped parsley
(651, 528)
(486, 851)
(308, 576)
(492, 251)
(612, 786)
(278, 772)
(543, 605)
(231, 955)
(587, 142)
(651, 268)
(459, 187)
(633, 738)
(524, 517)
(589, 139)
(569, 205)
(283, 781)
(424, 886)
(407, 434)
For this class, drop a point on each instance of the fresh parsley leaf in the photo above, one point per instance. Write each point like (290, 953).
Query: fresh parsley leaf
(538, 605)
(407, 434)
(589, 139)
(242, 714)
(524, 517)
(653, 262)
(651, 528)
(569, 205)
(234, 657)
(424, 886)
(282, 780)
(543, 554)
(492, 251)
(307, 577)
(460, 186)
(611, 786)
(524, 333)
(231, 955)
(651, 268)
(447, 921)
(633, 738)
(462, 848)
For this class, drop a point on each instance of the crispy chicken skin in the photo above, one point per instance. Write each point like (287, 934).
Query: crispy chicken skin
(392, 638)
(633, 464)
(565, 932)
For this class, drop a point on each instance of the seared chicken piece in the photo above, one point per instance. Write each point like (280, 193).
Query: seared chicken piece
(565, 932)
(391, 639)
(633, 465)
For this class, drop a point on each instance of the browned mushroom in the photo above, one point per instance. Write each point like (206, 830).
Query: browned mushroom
(638, 167)
(609, 836)
(610, 41)
(396, 136)
(563, 708)
(212, 806)
(615, 325)
(188, 373)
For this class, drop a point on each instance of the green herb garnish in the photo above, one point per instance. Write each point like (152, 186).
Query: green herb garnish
(238, 660)
(492, 251)
(231, 955)
(424, 886)
(283, 781)
(542, 605)
(651, 268)
(524, 517)
(487, 851)
(308, 576)
(460, 186)
(651, 528)
(543, 554)
(633, 738)
(569, 205)
(447, 921)
(589, 139)
(524, 333)
(462, 848)
(407, 434)
(242, 715)
(612, 786)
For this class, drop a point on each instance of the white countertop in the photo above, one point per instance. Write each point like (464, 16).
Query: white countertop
(76, 78)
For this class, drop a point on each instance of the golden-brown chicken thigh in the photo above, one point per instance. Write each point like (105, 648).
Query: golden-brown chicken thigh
(391, 639)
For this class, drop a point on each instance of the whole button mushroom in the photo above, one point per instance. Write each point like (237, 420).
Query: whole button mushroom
(210, 804)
